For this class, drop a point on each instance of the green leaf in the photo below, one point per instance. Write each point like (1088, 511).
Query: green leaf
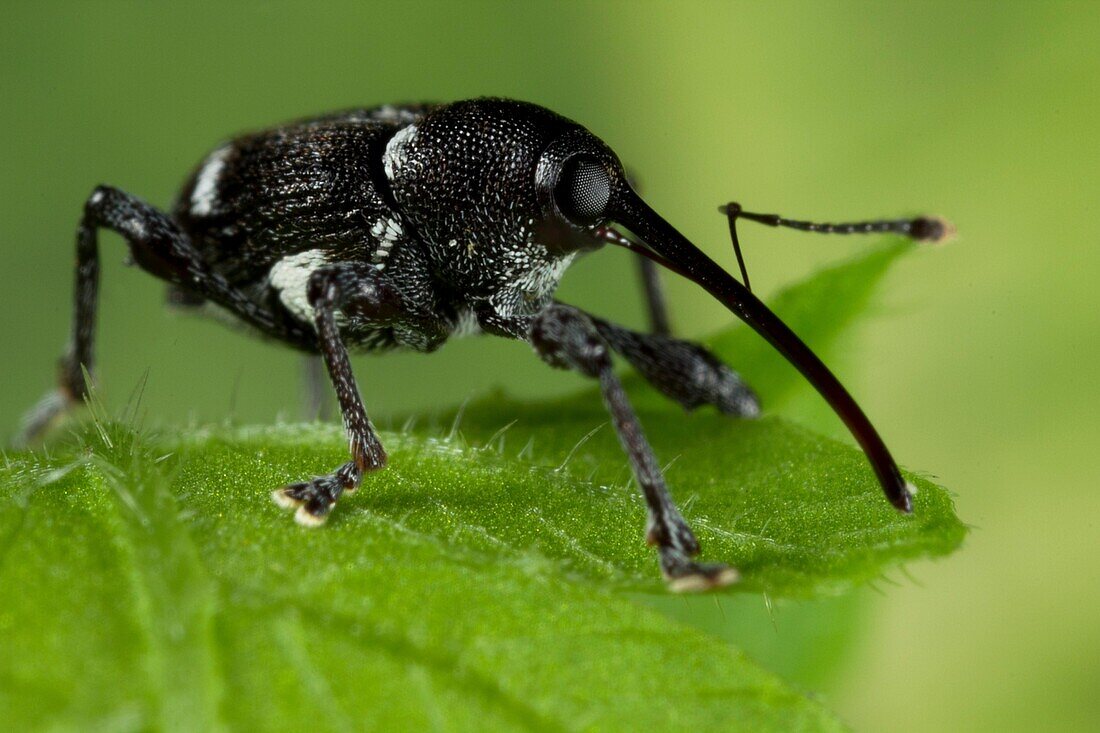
(173, 594)
(798, 514)
(492, 581)
(820, 310)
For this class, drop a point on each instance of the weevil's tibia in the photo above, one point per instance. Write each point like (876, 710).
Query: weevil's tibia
(566, 338)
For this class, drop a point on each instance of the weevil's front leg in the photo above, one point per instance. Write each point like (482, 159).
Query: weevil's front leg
(330, 289)
(567, 338)
(683, 371)
(160, 247)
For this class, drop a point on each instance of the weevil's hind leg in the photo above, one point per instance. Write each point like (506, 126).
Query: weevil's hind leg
(316, 401)
(654, 293)
(157, 245)
(566, 338)
(71, 386)
(146, 230)
(330, 289)
(683, 371)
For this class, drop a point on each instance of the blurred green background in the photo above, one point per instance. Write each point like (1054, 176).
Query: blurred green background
(980, 367)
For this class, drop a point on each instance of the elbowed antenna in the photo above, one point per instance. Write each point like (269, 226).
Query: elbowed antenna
(671, 249)
(928, 229)
(920, 229)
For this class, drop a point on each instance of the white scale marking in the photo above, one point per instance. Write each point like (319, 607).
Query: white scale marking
(388, 232)
(290, 276)
(466, 325)
(394, 157)
(205, 193)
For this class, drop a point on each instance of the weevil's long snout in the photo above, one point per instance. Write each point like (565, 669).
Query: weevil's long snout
(674, 251)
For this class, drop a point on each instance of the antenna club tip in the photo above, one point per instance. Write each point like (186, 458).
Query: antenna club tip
(933, 230)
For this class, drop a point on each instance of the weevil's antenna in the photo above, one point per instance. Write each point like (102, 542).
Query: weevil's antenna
(732, 211)
(921, 229)
(667, 247)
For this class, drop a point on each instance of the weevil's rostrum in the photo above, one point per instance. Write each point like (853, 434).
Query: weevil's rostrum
(401, 226)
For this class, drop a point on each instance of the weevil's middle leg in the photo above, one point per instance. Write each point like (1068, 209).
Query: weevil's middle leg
(654, 297)
(566, 338)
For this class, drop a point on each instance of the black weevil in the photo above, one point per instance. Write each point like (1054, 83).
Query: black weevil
(400, 226)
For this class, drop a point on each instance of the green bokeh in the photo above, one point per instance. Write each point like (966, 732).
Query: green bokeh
(980, 366)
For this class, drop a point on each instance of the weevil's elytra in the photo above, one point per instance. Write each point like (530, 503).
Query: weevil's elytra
(403, 226)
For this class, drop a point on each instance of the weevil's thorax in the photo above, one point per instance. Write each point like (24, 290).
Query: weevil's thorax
(464, 176)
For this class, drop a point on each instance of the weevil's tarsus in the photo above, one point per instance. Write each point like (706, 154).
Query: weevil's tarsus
(702, 577)
(46, 414)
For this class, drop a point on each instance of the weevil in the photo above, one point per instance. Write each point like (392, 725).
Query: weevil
(398, 227)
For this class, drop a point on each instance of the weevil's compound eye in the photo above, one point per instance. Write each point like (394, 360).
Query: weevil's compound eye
(583, 190)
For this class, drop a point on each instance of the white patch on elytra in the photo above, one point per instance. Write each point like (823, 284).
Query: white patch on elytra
(205, 193)
(290, 277)
(394, 157)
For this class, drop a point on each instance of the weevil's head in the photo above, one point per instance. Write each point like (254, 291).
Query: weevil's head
(484, 172)
(494, 183)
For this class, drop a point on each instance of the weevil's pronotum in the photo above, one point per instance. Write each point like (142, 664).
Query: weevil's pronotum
(401, 226)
